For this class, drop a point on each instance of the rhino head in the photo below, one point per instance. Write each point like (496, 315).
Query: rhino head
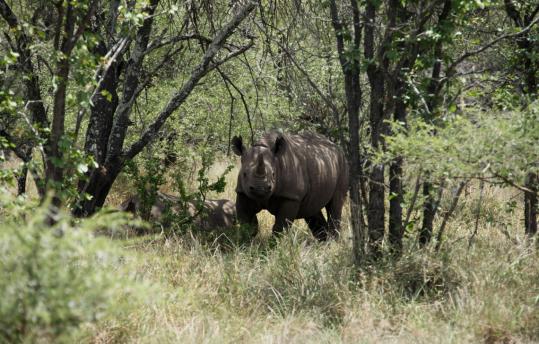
(257, 176)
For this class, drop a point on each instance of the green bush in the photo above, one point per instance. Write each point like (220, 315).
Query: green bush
(55, 279)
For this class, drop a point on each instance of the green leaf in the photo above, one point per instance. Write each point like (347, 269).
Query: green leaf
(107, 95)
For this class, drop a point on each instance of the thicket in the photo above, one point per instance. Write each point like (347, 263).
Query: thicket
(434, 102)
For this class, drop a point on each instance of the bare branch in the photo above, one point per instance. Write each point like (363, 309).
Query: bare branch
(205, 66)
(534, 13)
(242, 96)
(495, 41)
(148, 79)
(161, 43)
(315, 87)
(512, 183)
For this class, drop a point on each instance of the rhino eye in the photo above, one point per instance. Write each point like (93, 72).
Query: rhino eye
(244, 174)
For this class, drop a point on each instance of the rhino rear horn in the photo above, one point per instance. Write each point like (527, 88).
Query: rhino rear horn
(237, 145)
(279, 145)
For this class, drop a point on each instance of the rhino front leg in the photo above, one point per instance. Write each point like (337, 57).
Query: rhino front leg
(287, 213)
(246, 211)
(318, 226)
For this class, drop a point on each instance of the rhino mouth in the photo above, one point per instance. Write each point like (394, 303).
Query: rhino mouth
(260, 193)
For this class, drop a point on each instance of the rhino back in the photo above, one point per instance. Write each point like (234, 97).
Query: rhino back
(221, 213)
(310, 170)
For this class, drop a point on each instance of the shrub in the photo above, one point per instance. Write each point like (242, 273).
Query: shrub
(55, 279)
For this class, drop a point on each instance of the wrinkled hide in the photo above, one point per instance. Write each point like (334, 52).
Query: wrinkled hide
(218, 213)
(293, 177)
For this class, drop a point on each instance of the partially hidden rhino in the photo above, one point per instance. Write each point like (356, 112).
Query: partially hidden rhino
(293, 177)
(216, 213)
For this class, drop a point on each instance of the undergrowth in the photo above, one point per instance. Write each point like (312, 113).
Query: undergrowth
(294, 289)
(68, 284)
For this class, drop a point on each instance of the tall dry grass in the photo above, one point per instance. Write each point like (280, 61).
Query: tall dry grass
(293, 289)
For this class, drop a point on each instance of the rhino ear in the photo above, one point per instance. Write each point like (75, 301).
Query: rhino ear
(237, 145)
(129, 205)
(279, 145)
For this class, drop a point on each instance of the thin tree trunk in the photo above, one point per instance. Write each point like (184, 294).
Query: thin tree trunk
(376, 206)
(478, 216)
(448, 214)
(433, 90)
(350, 69)
(526, 44)
(54, 171)
(132, 79)
(32, 91)
(21, 180)
(530, 205)
(375, 73)
(396, 229)
(413, 201)
(98, 186)
(429, 212)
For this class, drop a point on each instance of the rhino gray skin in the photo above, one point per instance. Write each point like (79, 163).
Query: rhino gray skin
(293, 177)
(216, 213)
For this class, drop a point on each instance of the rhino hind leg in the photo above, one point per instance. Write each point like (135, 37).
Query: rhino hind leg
(318, 226)
(334, 211)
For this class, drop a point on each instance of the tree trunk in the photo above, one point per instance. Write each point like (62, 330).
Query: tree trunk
(530, 205)
(102, 179)
(98, 187)
(376, 206)
(530, 67)
(104, 104)
(54, 171)
(429, 212)
(109, 120)
(352, 87)
(396, 230)
(433, 90)
(450, 211)
(21, 180)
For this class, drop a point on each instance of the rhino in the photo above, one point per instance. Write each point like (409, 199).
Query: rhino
(216, 213)
(293, 177)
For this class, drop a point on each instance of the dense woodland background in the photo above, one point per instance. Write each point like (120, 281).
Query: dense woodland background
(433, 101)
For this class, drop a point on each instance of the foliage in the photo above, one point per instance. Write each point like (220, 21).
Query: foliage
(190, 167)
(472, 145)
(56, 279)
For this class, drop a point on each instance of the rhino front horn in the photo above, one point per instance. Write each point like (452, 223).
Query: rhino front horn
(260, 168)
